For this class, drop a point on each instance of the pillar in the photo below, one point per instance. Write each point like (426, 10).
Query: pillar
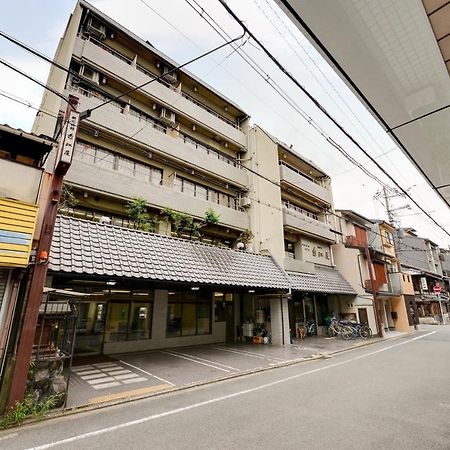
(159, 320)
(279, 317)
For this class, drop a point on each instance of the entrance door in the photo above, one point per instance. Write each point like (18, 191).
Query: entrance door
(90, 328)
(362, 314)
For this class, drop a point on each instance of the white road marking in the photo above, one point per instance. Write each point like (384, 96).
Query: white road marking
(107, 364)
(93, 377)
(214, 400)
(253, 355)
(88, 372)
(81, 368)
(100, 380)
(124, 377)
(148, 373)
(106, 385)
(195, 361)
(134, 380)
(118, 372)
(203, 359)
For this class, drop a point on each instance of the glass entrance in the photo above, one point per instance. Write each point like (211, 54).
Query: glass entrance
(90, 327)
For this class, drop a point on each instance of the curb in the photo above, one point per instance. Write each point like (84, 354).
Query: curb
(92, 407)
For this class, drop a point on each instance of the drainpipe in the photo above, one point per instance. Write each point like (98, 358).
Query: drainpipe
(374, 293)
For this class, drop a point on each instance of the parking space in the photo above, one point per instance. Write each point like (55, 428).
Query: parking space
(104, 378)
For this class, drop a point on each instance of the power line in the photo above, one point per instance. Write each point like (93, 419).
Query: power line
(324, 111)
(276, 87)
(40, 83)
(26, 103)
(88, 112)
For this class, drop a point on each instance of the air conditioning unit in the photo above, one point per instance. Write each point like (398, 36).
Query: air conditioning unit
(169, 77)
(245, 202)
(167, 116)
(105, 219)
(95, 28)
(91, 74)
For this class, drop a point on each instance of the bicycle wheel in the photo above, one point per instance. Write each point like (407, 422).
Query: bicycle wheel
(312, 329)
(347, 333)
(365, 332)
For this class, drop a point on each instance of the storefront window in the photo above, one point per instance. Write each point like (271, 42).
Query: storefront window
(173, 320)
(140, 321)
(188, 314)
(117, 325)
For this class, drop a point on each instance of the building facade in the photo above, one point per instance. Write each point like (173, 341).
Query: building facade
(422, 260)
(22, 194)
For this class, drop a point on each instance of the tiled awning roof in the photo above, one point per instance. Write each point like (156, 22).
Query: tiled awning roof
(80, 246)
(326, 280)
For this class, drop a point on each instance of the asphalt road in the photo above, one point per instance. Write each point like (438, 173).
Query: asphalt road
(390, 395)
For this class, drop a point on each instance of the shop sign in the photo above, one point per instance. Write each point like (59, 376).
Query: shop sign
(315, 252)
(423, 283)
(17, 225)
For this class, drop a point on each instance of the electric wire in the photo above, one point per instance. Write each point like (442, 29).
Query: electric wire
(40, 83)
(325, 112)
(266, 77)
(26, 103)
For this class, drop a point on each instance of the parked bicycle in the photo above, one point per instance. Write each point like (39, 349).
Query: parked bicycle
(307, 328)
(337, 328)
(359, 330)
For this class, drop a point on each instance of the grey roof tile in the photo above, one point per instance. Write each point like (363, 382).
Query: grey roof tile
(90, 247)
(327, 280)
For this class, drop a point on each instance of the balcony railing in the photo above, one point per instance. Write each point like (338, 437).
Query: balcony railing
(107, 160)
(299, 172)
(143, 117)
(302, 211)
(160, 80)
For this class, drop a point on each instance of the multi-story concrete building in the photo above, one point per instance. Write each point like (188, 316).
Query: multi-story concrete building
(291, 216)
(420, 258)
(188, 154)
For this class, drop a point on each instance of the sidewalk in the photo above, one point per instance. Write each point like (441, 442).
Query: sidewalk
(101, 379)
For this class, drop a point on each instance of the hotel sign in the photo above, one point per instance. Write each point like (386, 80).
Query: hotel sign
(67, 144)
(17, 224)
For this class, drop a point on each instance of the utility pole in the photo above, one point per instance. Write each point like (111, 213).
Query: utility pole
(374, 291)
(27, 334)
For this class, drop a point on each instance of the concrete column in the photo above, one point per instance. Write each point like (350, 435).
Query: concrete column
(279, 317)
(159, 319)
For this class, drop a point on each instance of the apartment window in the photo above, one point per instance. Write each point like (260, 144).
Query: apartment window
(389, 237)
(108, 160)
(197, 190)
(188, 314)
(289, 249)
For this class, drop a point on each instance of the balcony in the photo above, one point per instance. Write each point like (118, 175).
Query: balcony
(303, 221)
(90, 176)
(112, 63)
(393, 287)
(147, 131)
(354, 242)
(22, 182)
(299, 181)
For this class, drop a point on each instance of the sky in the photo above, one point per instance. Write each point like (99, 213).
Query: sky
(176, 29)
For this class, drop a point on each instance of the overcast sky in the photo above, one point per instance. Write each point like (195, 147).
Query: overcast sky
(183, 35)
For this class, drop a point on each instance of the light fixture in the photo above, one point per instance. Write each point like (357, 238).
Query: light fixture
(171, 293)
(195, 288)
(193, 127)
(195, 88)
(225, 107)
(111, 283)
(251, 291)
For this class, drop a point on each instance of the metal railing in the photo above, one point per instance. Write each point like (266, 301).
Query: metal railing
(299, 172)
(160, 80)
(302, 211)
